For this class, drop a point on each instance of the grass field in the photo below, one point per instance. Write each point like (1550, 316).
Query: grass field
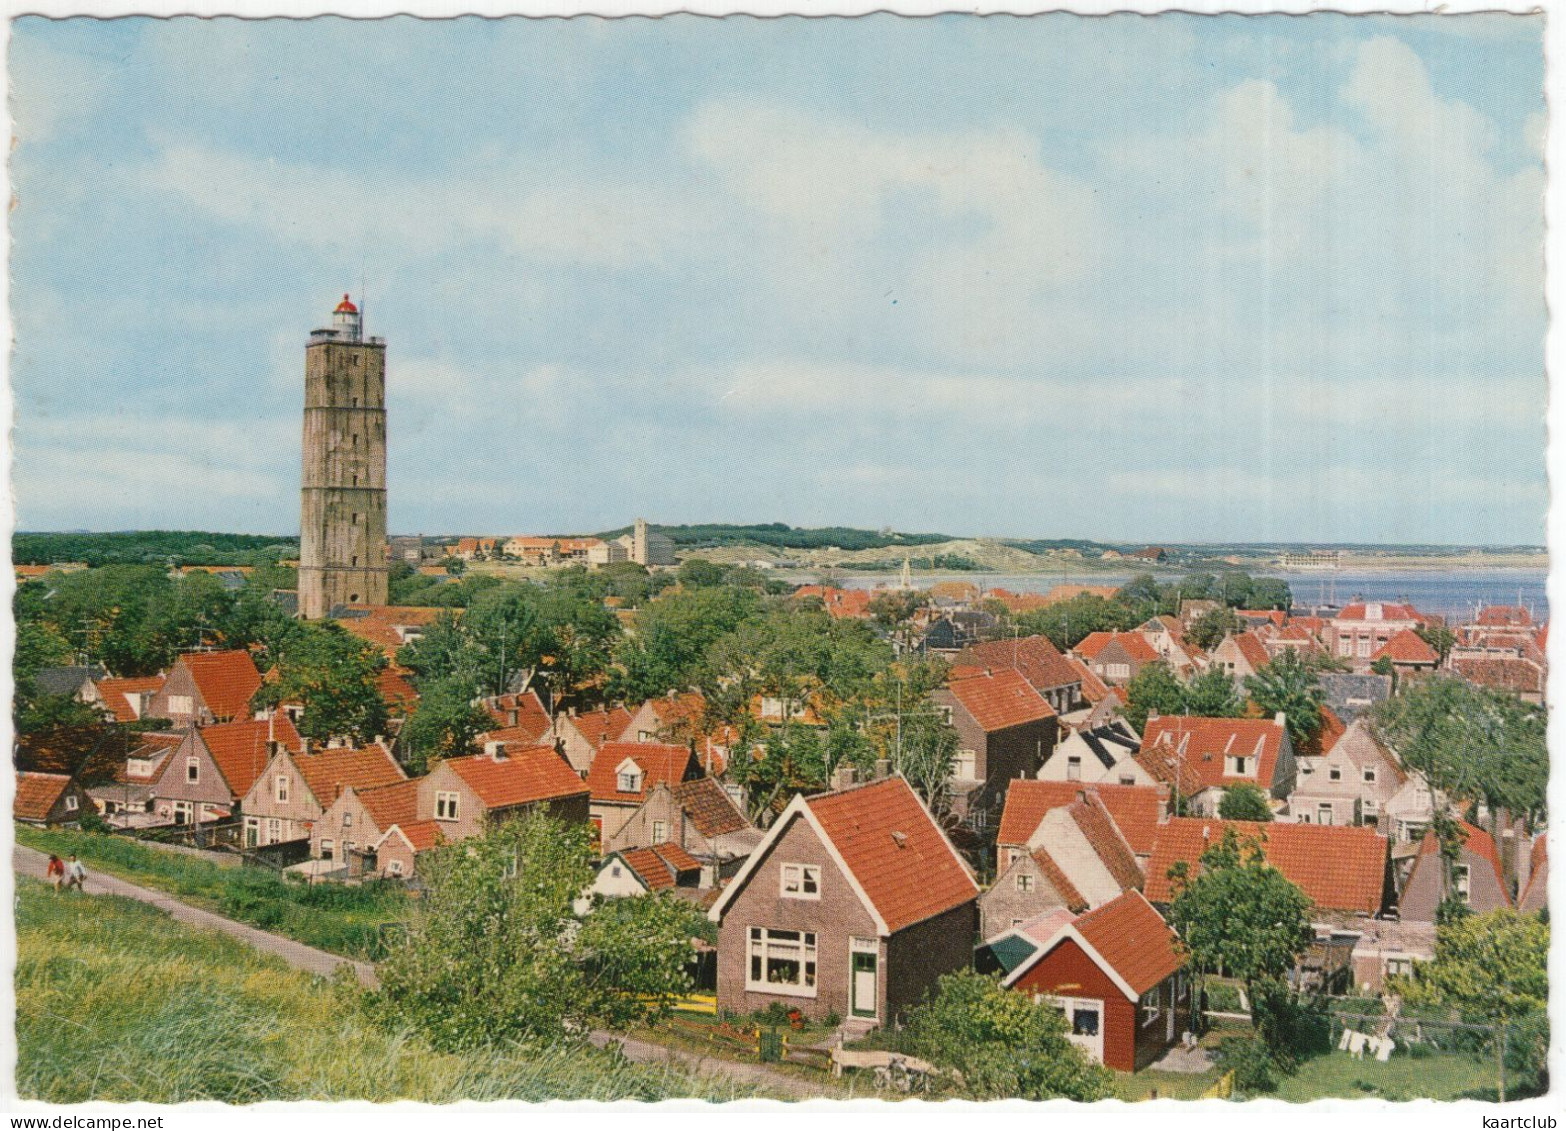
(117, 1002)
(335, 918)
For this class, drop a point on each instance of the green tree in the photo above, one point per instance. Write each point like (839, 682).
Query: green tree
(1242, 916)
(995, 1043)
(1244, 802)
(333, 674)
(1208, 630)
(1212, 695)
(1439, 637)
(1153, 690)
(1067, 623)
(1493, 968)
(445, 724)
(891, 607)
(497, 953)
(1470, 742)
(1289, 685)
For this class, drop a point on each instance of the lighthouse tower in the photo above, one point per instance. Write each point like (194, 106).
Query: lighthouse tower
(342, 510)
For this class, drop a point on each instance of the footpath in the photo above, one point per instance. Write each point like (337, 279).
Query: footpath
(31, 862)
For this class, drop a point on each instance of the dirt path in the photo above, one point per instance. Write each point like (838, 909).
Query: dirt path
(31, 862)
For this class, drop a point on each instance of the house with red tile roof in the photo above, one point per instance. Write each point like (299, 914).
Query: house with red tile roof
(1037, 660)
(1005, 730)
(1030, 886)
(681, 718)
(700, 818)
(1117, 973)
(463, 797)
(126, 700)
(127, 800)
(1363, 628)
(1166, 635)
(623, 773)
(582, 733)
(400, 696)
(1475, 879)
(1137, 811)
(390, 627)
(850, 604)
(1298, 636)
(213, 767)
(1501, 671)
(1201, 757)
(1241, 654)
(48, 799)
(1408, 652)
(1116, 657)
(294, 791)
(205, 688)
(853, 905)
(351, 825)
(1351, 784)
(1342, 869)
(646, 871)
(1088, 847)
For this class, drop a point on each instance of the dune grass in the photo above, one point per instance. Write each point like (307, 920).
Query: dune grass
(117, 1002)
(342, 920)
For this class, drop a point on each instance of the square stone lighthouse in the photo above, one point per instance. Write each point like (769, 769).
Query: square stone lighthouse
(342, 507)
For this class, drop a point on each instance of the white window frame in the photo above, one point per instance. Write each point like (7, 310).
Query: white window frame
(965, 765)
(328, 848)
(628, 782)
(799, 881)
(282, 789)
(1151, 1011)
(274, 830)
(347, 820)
(763, 944)
(660, 831)
(1073, 767)
(446, 808)
(192, 770)
(1369, 775)
(394, 867)
(1237, 765)
(1025, 883)
(71, 803)
(1462, 882)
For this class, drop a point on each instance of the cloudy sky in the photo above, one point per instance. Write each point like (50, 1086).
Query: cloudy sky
(1170, 278)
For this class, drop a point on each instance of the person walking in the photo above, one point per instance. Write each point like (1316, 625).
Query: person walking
(55, 873)
(75, 873)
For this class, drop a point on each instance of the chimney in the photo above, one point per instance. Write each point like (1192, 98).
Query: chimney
(304, 745)
(1279, 719)
(843, 777)
(496, 750)
(1509, 854)
(883, 768)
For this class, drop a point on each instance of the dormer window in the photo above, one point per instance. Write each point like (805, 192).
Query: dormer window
(628, 777)
(1237, 766)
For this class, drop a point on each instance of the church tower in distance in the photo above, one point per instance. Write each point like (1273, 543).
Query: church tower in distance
(342, 508)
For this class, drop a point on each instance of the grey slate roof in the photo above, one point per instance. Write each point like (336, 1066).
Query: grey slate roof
(65, 681)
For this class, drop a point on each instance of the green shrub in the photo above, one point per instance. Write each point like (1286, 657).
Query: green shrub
(1255, 1070)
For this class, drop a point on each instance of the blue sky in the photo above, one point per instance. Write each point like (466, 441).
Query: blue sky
(1172, 278)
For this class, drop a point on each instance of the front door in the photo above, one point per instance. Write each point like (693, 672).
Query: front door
(862, 969)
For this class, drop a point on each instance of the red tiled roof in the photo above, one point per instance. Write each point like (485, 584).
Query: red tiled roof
(659, 762)
(1388, 611)
(328, 772)
(1501, 673)
(903, 862)
(1198, 747)
(1093, 688)
(1406, 647)
(1039, 661)
(37, 794)
(154, 747)
(1000, 700)
(522, 777)
(599, 727)
(422, 835)
(1476, 841)
(1132, 937)
(839, 603)
(117, 695)
(1059, 880)
(380, 623)
(226, 681)
(395, 804)
(1135, 645)
(709, 808)
(1254, 651)
(531, 721)
(1340, 867)
(1136, 809)
(1511, 616)
(1332, 729)
(239, 749)
(1105, 840)
(661, 865)
(396, 692)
